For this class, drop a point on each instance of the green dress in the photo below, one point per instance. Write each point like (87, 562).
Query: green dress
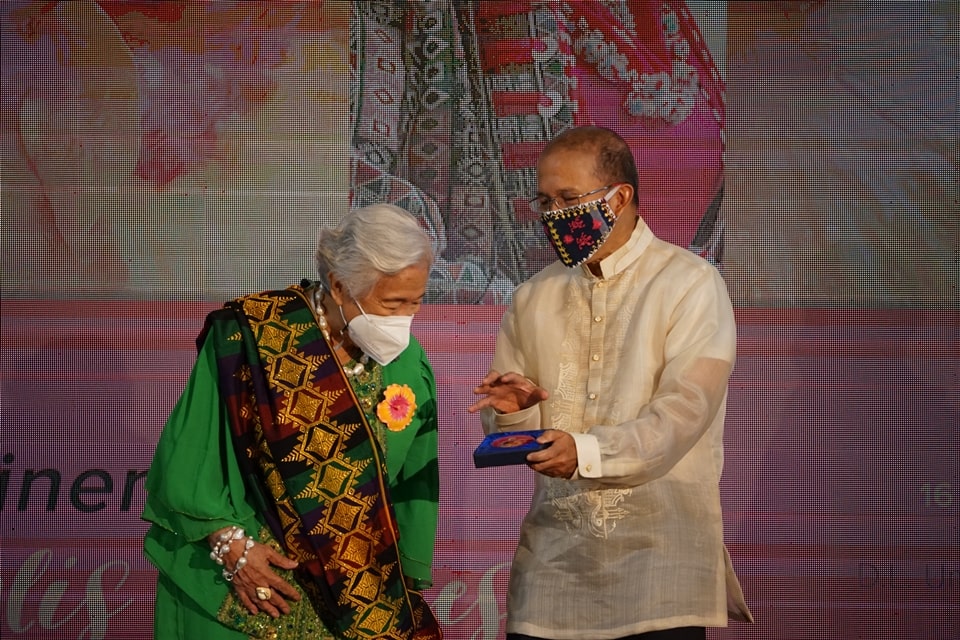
(195, 487)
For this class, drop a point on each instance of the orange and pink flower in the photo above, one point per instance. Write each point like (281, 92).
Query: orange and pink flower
(397, 407)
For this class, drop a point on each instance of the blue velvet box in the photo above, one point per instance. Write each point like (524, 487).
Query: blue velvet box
(506, 447)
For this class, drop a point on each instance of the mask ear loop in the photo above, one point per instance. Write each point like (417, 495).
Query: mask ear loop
(375, 325)
(345, 325)
(342, 317)
(606, 198)
(613, 190)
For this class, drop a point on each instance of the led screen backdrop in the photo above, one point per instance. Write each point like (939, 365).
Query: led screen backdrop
(159, 158)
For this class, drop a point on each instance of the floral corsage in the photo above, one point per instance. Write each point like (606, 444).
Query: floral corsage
(397, 407)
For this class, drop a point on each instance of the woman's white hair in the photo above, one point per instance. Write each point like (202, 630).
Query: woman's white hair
(369, 243)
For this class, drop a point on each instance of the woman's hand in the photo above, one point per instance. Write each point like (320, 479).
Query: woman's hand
(507, 393)
(258, 573)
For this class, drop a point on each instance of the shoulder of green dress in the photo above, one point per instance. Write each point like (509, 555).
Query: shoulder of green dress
(412, 364)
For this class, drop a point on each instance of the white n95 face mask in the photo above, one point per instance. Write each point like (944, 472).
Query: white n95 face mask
(383, 338)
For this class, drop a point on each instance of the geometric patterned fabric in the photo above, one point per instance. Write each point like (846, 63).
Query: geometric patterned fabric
(312, 463)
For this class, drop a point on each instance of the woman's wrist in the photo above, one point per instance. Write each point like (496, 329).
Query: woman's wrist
(214, 536)
(222, 541)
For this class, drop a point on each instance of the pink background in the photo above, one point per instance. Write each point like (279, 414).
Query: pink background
(840, 491)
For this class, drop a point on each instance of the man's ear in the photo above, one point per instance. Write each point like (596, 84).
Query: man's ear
(622, 198)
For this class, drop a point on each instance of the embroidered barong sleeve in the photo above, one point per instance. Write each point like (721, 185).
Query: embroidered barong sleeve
(509, 358)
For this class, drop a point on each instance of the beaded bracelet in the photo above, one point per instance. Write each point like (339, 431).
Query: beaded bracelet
(224, 540)
(222, 546)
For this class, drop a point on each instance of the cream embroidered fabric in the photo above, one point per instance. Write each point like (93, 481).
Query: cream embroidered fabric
(638, 362)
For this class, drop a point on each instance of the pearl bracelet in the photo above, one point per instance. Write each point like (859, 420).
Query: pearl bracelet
(222, 546)
(224, 540)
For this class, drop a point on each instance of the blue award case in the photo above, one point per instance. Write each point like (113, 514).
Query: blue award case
(506, 447)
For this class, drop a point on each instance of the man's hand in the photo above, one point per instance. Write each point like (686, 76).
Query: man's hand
(559, 460)
(507, 393)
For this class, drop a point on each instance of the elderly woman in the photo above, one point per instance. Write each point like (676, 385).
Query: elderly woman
(304, 444)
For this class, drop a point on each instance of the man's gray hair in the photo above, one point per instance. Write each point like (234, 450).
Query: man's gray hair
(370, 242)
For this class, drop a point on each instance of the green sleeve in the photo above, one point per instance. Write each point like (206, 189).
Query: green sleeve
(413, 466)
(194, 487)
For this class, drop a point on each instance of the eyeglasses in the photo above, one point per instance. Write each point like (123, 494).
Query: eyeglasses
(542, 204)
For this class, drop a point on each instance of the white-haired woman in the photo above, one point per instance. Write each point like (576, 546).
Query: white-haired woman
(304, 443)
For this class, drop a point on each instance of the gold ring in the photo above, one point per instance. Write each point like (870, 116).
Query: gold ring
(264, 593)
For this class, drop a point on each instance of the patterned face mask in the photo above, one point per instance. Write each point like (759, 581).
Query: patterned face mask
(577, 232)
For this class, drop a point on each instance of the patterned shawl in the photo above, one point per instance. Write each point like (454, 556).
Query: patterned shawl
(312, 463)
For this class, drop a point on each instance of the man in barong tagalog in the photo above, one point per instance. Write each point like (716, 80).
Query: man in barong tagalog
(294, 489)
(621, 352)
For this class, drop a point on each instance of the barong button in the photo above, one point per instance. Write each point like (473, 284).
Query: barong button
(592, 396)
(598, 319)
(596, 357)
(588, 468)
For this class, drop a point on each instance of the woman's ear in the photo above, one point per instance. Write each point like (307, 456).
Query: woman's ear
(338, 290)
